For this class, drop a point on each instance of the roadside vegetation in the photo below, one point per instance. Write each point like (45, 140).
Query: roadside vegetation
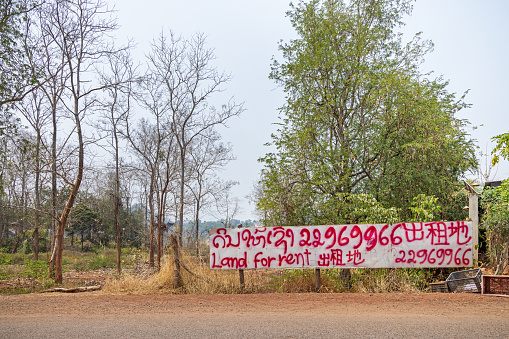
(20, 273)
(364, 136)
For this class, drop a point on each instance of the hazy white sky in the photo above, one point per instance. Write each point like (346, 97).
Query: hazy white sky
(471, 48)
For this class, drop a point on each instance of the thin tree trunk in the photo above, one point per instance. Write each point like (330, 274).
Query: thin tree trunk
(117, 202)
(2, 216)
(181, 205)
(152, 221)
(159, 239)
(177, 280)
(197, 227)
(72, 197)
(1, 225)
(54, 221)
(162, 203)
(37, 196)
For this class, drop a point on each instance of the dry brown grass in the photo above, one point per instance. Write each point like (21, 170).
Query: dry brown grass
(204, 280)
(383, 280)
(207, 281)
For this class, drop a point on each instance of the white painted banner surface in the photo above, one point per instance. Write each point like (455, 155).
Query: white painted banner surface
(420, 244)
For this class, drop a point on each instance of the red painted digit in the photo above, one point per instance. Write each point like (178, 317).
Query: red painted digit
(441, 255)
(466, 261)
(318, 236)
(384, 240)
(430, 259)
(342, 241)
(402, 259)
(371, 237)
(411, 260)
(306, 235)
(356, 232)
(396, 240)
(422, 254)
(330, 234)
(449, 252)
(457, 260)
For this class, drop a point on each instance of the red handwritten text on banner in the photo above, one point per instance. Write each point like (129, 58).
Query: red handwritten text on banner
(421, 244)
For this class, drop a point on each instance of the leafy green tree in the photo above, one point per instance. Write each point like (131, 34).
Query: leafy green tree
(16, 80)
(501, 148)
(496, 221)
(424, 208)
(85, 223)
(359, 116)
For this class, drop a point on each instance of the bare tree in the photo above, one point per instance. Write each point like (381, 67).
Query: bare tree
(185, 68)
(227, 206)
(80, 31)
(31, 108)
(207, 155)
(168, 172)
(118, 83)
(21, 153)
(147, 142)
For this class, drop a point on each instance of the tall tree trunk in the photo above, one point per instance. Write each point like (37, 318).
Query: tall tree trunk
(2, 223)
(177, 280)
(197, 228)
(128, 207)
(24, 204)
(1, 229)
(37, 195)
(152, 221)
(182, 184)
(2, 209)
(72, 197)
(54, 221)
(117, 202)
(159, 238)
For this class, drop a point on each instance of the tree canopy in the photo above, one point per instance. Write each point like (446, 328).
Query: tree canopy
(15, 76)
(359, 117)
(495, 202)
(501, 148)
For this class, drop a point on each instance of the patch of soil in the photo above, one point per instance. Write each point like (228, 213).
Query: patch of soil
(422, 304)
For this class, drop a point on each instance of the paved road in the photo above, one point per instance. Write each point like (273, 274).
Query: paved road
(255, 316)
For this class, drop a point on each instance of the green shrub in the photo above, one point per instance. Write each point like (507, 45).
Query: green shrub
(100, 262)
(5, 259)
(35, 269)
(496, 222)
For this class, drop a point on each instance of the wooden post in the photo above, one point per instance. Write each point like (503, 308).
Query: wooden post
(241, 278)
(317, 280)
(177, 282)
(473, 214)
(241, 273)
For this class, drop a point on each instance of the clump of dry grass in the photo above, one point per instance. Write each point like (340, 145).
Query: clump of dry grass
(203, 280)
(382, 280)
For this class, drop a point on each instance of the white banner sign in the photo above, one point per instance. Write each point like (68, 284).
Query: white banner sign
(420, 244)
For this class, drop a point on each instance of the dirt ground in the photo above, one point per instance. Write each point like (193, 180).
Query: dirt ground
(260, 315)
(295, 315)
(450, 304)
